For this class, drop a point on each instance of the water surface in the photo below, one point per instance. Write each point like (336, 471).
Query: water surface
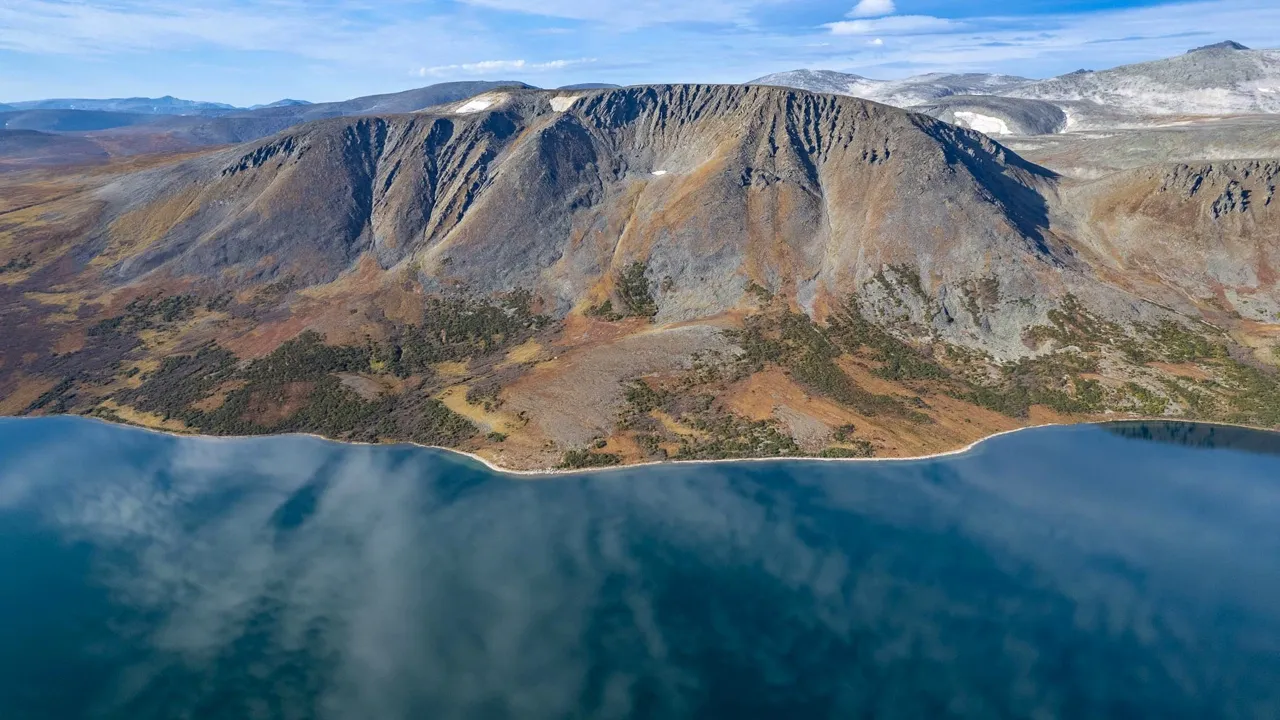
(1127, 571)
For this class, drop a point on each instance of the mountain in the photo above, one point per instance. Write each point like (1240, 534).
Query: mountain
(281, 103)
(71, 120)
(590, 86)
(495, 199)
(590, 277)
(899, 93)
(1224, 45)
(166, 105)
(1222, 79)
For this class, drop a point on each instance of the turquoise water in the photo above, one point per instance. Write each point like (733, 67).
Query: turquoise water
(1085, 572)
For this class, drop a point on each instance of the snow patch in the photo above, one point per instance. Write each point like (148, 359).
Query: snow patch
(563, 102)
(984, 124)
(480, 103)
(1072, 120)
(659, 172)
(474, 106)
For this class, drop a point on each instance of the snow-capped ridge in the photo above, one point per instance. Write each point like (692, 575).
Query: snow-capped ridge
(1225, 78)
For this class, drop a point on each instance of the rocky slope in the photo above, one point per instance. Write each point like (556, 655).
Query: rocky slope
(1209, 231)
(596, 276)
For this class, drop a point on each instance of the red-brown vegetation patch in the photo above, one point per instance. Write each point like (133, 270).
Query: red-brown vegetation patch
(269, 408)
(19, 391)
(1184, 370)
(265, 338)
(219, 396)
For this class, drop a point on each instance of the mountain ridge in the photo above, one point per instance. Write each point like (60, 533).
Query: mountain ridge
(387, 218)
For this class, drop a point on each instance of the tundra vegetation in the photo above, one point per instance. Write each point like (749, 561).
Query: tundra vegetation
(299, 386)
(304, 385)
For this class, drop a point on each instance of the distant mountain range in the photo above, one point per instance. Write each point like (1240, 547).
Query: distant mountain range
(50, 120)
(287, 102)
(117, 133)
(899, 93)
(405, 101)
(167, 105)
(1225, 78)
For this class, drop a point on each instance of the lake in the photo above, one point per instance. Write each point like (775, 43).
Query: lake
(1121, 571)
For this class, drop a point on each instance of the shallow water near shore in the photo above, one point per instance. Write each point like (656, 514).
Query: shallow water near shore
(1126, 570)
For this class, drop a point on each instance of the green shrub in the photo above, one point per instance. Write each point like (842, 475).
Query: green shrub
(863, 449)
(578, 459)
(1148, 403)
(843, 433)
(634, 293)
(17, 264)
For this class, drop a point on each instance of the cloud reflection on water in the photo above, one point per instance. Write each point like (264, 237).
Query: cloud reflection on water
(1062, 573)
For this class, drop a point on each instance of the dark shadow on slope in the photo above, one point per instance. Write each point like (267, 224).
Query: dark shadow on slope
(996, 168)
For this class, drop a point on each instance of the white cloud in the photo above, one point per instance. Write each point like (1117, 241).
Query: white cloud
(896, 25)
(493, 66)
(873, 8)
(1042, 45)
(51, 27)
(632, 13)
(248, 51)
(877, 42)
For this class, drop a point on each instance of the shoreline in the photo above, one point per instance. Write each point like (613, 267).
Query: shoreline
(552, 472)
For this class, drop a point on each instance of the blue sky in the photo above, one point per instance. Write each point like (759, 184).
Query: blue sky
(252, 51)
